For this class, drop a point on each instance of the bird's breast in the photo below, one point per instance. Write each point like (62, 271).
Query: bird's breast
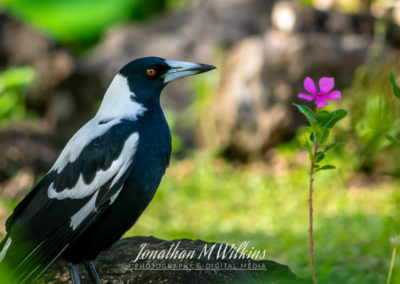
(151, 158)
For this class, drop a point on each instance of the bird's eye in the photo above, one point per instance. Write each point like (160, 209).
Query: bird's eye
(151, 72)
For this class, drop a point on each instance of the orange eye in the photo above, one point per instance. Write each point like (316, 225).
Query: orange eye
(151, 72)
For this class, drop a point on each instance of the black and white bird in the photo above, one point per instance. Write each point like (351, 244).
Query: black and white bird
(103, 179)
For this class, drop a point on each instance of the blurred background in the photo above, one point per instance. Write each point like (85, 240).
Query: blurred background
(238, 171)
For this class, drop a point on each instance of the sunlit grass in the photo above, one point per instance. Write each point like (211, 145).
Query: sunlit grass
(206, 198)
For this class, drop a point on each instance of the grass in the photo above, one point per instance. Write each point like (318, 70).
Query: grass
(209, 199)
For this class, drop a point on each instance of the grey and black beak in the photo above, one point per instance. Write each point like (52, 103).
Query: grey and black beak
(180, 69)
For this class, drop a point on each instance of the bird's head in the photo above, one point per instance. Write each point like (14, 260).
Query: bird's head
(141, 81)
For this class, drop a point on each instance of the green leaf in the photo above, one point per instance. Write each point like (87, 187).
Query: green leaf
(17, 78)
(392, 139)
(326, 167)
(309, 131)
(308, 113)
(396, 88)
(319, 157)
(322, 135)
(312, 137)
(323, 116)
(333, 145)
(329, 119)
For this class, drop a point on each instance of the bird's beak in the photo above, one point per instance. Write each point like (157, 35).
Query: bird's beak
(179, 69)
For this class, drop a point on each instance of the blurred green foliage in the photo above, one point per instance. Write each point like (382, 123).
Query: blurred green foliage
(4, 278)
(203, 88)
(197, 114)
(14, 83)
(178, 4)
(80, 23)
(396, 92)
(349, 6)
(305, 2)
(374, 111)
(172, 118)
(396, 87)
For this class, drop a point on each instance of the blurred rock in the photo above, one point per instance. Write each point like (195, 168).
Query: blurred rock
(193, 35)
(261, 74)
(117, 265)
(57, 71)
(69, 88)
(3, 217)
(315, 20)
(31, 146)
(16, 187)
(262, 77)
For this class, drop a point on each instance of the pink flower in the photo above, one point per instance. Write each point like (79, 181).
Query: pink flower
(323, 94)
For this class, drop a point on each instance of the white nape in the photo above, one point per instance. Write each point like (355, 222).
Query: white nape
(5, 249)
(118, 102)
(114, 172)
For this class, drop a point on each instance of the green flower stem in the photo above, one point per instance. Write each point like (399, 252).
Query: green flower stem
(316, 144)
(389, 278)
(310, 230)
(311, 210)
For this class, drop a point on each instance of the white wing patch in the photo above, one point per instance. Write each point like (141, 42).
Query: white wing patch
(114, 197)
(81, 215)
(117, 169)
(80, 140)
(5, 249)
(117, 104)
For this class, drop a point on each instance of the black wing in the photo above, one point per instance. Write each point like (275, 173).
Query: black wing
(66, 202)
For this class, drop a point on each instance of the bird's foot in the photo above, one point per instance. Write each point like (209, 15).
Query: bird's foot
(74, 271)
(93, 272)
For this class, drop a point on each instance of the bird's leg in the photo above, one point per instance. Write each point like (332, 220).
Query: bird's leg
(92, 271)
(74, 271)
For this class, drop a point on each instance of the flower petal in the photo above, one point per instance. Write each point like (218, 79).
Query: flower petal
(320, 102)
(326, 85)
(306, 96)
(333, 95)
(309, 85)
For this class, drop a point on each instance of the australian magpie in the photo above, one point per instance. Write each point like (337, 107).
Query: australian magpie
(103, 179)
